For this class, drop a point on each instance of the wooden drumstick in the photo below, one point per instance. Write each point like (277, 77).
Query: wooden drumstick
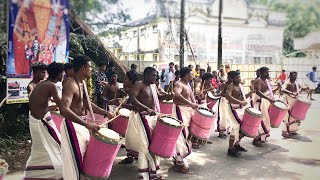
(109, 121)
(89, 102)
(66, 56)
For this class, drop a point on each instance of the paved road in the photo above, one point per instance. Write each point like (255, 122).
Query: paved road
(296, 158)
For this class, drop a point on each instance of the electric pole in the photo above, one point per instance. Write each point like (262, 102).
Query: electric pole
(219, 36)
(182, 34)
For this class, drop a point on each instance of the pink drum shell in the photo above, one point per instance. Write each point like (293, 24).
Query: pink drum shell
(166, 107)
(164, 139)
(300, 109)
(99, 157)
(276, 115)
(250, 124)
(201, 125)
(199, 132)
(120, 125)
(211, 102)
(57, 119)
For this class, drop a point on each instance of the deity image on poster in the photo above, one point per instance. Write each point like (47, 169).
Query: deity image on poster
(38, 32)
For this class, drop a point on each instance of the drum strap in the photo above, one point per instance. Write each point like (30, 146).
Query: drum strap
(269, 88)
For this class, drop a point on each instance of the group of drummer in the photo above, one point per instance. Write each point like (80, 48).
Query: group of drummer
(159, 124)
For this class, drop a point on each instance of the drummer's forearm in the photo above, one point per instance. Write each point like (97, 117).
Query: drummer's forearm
(232, 100)
(130, 107)
(139, 105)
(97, 109)
(259, 93)
(70, 115)
(180, 98)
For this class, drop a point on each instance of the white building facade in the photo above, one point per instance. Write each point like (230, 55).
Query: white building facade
(251, 34)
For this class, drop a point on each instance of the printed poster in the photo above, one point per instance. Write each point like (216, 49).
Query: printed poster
(38, 32)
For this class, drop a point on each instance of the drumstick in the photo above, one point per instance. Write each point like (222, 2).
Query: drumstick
(172, 86)
(89, 102)
(162, 114)
(109, 120)
(4, 99)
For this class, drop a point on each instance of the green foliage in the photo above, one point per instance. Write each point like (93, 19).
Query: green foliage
(97, 11)
(302, 18)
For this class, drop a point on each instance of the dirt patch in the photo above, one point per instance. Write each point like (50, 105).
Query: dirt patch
(16, 153)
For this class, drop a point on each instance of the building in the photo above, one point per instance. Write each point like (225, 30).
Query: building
(251, 34)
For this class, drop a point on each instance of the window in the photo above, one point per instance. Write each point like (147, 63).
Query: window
(126, 58)
(155, 28)
(141, 57)
(135, 33)
(176, 57)
(257, 60)
(268, 60)
(155, 57)
(142, 31)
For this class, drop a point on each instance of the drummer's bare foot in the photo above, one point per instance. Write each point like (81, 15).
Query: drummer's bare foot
(123, 146)
(312, 99)
(127, 160)
(233, 152)
(294, 133)
(239, 148)
(257, 143)
(222, 135)
(209, 142)
(182, 169)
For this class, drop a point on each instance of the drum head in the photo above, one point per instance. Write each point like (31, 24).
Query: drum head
(304, 99)
(205, 111)
(124, 112)
(281, 105)
(170, 121)
(165, 101)
(254, 111)
(109, 134)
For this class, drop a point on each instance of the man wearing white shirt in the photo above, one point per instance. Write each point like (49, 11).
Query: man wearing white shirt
(168, 75)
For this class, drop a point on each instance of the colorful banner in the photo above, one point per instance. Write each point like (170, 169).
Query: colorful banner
(38, 32)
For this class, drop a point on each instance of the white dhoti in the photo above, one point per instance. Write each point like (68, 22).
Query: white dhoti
(148, 164)
(45, 159)
(262, 105)
(236, 114)
(183, 147)
(131, 138)
(74, 140)
(290, 124)
(223, 114)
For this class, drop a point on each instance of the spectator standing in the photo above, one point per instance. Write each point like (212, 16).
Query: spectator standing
(111, 68)
(168, 75)
(100, 81)
(312, 86)
(282, 77)
(133, 67)
(196, 72)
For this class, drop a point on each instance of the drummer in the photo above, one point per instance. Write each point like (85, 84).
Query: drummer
(237, 99)
(131, 133)
(223, 112)
(112, 92)
(44, 133)
(262, 100)
(146, 98)
(291, 90)
(183, 109)
(202, 87)
(75, 129)
(39, 71)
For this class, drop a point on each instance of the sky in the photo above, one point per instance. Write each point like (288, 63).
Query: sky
(138, 9)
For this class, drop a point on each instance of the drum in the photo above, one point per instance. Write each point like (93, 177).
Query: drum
(3, 168)
(166, 107)
(101, 152)
(57, 118)
(120, 124)
(251, 121)
(165, 136)
(211, 100)
(300, 108)
(201, 123)
(277, 111)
